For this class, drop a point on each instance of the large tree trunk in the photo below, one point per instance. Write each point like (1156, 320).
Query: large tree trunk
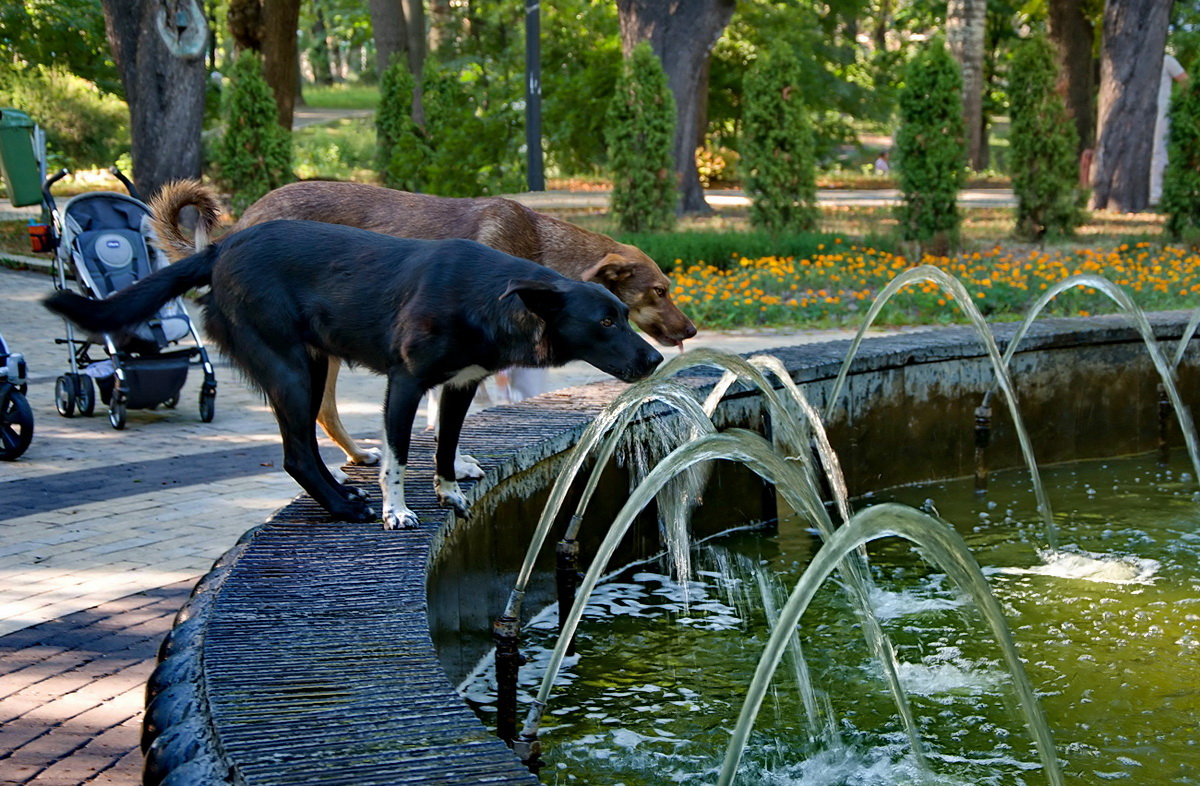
(164, 87)
(391, 31)
(1074, 38)
(682, 34)
(966, 29)
(269, 26)
(281, 53)
(1131, 58)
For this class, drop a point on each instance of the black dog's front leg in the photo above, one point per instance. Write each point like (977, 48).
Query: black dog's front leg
(400, 410)
(455, 403)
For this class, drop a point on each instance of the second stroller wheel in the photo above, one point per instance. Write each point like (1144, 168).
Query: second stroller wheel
(116, 414)
(208, 405)
(64, 396)
(85, 395)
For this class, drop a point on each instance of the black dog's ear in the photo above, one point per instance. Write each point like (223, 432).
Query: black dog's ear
(541, 297)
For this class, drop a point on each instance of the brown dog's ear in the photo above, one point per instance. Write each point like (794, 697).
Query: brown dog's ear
(609, 270)
(541, 297)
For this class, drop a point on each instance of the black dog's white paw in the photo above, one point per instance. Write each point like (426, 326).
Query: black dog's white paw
(449, 495)
(467, 467)
(399, 518)
(353, 492)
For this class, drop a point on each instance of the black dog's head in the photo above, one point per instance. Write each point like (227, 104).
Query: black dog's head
(587, 322)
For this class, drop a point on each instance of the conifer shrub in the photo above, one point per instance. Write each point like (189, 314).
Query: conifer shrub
(778, 161)
(1043, 141)
(931, 149)
(640, 133)
(402, 151)
(254, 155)
(1181, 180)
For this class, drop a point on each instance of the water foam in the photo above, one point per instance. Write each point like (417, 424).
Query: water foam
(1089, 566)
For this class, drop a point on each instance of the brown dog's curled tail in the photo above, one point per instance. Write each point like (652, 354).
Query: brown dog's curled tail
(167, 204)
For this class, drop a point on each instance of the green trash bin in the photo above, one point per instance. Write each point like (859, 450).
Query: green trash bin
(18, 163)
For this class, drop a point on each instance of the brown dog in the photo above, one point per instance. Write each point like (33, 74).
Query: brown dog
(503, 224)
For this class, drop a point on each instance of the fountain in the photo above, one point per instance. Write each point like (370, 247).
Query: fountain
(334, 621)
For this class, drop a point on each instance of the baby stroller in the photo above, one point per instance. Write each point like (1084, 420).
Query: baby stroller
(103, 238)
(16, 418)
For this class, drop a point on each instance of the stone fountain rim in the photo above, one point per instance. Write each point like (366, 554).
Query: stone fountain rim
(188, 743)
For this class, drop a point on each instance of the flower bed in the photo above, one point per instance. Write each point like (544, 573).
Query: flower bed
(834, 286)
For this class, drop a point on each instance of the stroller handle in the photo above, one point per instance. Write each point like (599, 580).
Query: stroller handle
(119, 175)
(57, 176)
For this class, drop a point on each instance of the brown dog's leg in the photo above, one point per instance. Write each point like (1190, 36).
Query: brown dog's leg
(332, 423)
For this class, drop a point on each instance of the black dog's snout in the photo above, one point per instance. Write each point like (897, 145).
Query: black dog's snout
(648, 360)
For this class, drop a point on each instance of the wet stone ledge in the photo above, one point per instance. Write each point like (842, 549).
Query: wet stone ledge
(305, 655)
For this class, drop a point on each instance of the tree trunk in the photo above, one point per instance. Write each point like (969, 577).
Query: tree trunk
(391, 31)
(682, 34)
(245, 21)
(966, 29)
(281, 54)
(1131, 57)
(164, 90)
(1074, 37)
(322, 60)
(414, 19)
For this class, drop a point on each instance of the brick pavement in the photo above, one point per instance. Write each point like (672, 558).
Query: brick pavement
(103, 533)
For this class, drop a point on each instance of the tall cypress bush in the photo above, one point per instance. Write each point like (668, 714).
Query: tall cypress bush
(777, 150)
(931, 149)
(402, 151)
(1181, 180)
(1042, 142)
(254, 155)
(640, 133)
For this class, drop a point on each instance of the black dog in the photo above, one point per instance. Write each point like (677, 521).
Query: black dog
(288, 294)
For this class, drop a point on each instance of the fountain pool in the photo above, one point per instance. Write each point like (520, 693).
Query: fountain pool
(1114, 656)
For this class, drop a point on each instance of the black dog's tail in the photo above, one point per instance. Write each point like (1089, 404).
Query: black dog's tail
(136, 303)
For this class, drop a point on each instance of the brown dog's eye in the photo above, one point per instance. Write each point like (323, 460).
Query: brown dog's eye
(660, 291)
(607, 322)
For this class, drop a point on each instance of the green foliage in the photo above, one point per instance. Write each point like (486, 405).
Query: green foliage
(254, 154)
(581, 58)
(1042, 141)
(400, 143)
(640, 131)
(778, 165)
(1181, 180)
(66, 34)
(476, 142)
(931, 149)
(85, 129)
(344, 150)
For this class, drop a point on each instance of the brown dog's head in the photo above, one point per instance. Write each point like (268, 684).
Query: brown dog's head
(637, 281)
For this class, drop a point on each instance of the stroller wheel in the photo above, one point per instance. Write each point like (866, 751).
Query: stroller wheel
(208, 404)
(172, 402)
(116, 414)
(64, 396)
(16, 425)
(85, 395)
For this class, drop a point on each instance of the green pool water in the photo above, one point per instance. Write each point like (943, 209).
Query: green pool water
(662, 666)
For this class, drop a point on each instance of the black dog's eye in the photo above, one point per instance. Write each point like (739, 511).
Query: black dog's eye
(607, 322)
